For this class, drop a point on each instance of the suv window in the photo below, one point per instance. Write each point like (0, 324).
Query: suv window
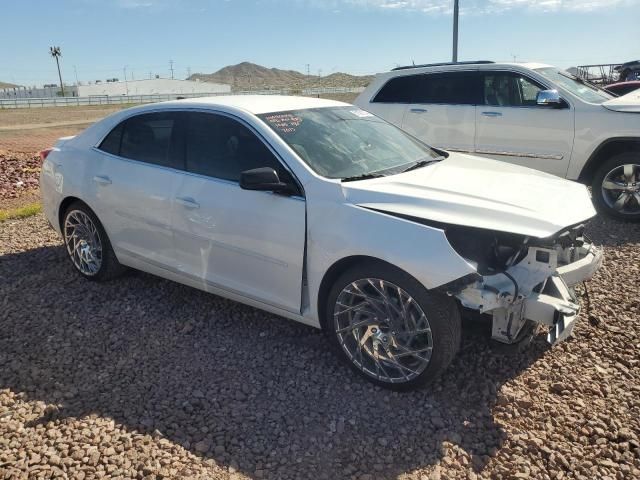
(398, 90)
(510, 89)
(150, 138)
(221, 147)
(453, 88)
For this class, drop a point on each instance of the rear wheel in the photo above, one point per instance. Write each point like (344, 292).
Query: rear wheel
(616, 187)
(87, 244)
(389, 328)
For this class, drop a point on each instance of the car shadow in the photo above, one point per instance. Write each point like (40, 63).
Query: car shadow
(232, 383)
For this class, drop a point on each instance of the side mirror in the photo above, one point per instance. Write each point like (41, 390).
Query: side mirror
(264, 179)
(549, 98)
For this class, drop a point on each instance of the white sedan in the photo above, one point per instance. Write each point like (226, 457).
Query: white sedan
(323, 213)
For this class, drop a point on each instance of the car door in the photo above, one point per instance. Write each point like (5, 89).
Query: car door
(133, 185)
(442, 109)
(246, 242)
(511, 126)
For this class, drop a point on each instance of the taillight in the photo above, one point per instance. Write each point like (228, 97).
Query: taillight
(45, 153)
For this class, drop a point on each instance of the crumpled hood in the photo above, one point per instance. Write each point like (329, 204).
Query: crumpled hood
(477, 192)
(627, 103)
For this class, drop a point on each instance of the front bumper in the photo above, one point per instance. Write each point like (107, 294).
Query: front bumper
(538, 289)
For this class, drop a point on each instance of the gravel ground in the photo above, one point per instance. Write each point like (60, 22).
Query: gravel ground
(145, 378)
(19, 174)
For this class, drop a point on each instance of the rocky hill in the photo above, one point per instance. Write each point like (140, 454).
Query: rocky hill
(7, 85)
(246, 75)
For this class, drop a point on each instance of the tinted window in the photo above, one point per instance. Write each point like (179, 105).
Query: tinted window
(456, 88)
(111, 143)
(220, 147)
(508, 89)
(150, 138)
(397, 90)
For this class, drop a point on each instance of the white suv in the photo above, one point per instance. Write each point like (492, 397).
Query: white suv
(526, 113)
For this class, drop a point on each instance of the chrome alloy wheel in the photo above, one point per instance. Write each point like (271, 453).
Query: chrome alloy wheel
(621, 188)
(383, 330)
(83, 242)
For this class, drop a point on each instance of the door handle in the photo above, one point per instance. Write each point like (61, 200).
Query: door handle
(102, 180)
(492, 114)
(419, 110)
(187, 202)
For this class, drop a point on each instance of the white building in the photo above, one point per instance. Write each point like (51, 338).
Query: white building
(151, 86)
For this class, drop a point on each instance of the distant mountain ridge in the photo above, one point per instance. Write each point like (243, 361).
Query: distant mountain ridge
(7, 85)
(247, 75)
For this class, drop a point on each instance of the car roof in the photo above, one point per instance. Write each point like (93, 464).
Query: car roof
(258, 104)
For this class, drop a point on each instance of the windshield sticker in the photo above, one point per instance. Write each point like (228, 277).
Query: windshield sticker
(284, 122)
(361, 113)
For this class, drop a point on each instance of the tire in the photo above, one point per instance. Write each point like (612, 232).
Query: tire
(93, 258)
(613, 172)
(394, 368)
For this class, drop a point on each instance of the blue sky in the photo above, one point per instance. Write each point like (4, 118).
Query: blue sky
(100, 37)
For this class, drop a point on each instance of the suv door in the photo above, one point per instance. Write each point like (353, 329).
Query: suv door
(442, 109)
(512, 127)
(249, 243)
(133, 182)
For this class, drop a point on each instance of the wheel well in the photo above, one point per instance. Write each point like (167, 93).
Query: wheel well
(332, 275)
(605, 151)
(64, 206)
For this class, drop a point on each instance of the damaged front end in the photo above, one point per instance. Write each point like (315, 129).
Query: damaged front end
(523, 279)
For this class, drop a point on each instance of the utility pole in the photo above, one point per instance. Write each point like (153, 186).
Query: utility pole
(75, 71)
(455, 30)
(308, 70)
(56, 53)
(171, 68)
(126, 85)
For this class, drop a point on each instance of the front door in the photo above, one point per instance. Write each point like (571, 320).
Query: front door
(246, 242)
(510, 126)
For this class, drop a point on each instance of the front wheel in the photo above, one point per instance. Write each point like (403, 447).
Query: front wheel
(616, 187)
(389, 328)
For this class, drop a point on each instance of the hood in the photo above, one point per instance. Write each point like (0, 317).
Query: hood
(627, 103)
(477, 192)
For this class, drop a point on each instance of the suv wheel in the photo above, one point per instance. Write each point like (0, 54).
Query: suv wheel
(389, 328)
(88, 245)
(616, 187)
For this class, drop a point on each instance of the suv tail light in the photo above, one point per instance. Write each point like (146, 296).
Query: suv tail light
(45, 153)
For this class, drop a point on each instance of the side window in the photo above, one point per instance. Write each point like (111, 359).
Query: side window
(508, 89)
(111, 143)
(453, 88)
(220, 147)
(398, 90)
(152, 138)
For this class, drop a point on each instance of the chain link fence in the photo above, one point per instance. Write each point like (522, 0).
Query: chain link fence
(139, 99)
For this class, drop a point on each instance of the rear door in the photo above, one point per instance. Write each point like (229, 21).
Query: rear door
(510, 126)
(134, 183)
(249, 243)
(442, 109)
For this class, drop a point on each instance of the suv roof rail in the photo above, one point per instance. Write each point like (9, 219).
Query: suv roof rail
(472, 62)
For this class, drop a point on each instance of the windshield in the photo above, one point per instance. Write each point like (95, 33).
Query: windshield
(569, 82)
(346, 142)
